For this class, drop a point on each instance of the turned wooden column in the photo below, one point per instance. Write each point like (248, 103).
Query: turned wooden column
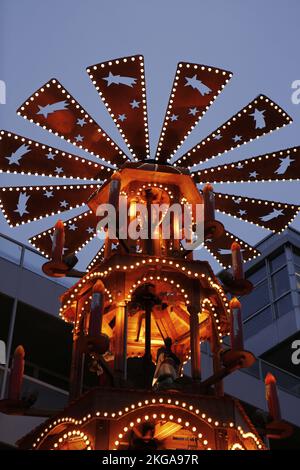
(194, 309)
(215, 348)
(76, 373)
(120, 364)
(195, 343)
(148, 311)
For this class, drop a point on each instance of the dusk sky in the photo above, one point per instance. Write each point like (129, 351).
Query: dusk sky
(258, 41)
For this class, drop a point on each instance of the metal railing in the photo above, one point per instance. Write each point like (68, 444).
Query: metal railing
(27, 258)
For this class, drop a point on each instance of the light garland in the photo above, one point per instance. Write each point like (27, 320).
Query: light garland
(57, 152)
(145, 118)
(181, 67)
(43, 188)
(258, 100)
(66, 95)
(150, 403)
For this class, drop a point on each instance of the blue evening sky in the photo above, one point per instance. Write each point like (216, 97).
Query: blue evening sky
(258, 41)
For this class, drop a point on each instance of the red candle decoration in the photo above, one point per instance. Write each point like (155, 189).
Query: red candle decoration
(58, 241)
(16, 374)
(237, 261)
(272, 397)
(209, 203)
(96, 313)
(236, 326)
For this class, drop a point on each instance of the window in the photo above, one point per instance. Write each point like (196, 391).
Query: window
(277, 261)
(284, 305)
(281, 282)
(258, 322)
(296, 253)
(6, 305)
(258, 275)
(255, 301)
(298, 280)
(47, 341)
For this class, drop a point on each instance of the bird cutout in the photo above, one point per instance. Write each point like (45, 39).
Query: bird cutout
(198, 85)
(22, 204)
(52, 108)
(194, 89)
(256, 211)
(284, 165)
(63, 122)
(272, 215)
(119, 80)
(15, 157)
(46, 161)
(259, 118)
(38, 206)
(79, 224)
(236, 131)
(120, 84)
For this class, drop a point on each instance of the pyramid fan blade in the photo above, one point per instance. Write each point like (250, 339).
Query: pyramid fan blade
(121, 86)
(195, 88)
(24, 156)
(79, 231)
(221, 249)
(54, 109)
(26, 204)
(283, 165)
(258, 118)
(98, 258)
(271, 215)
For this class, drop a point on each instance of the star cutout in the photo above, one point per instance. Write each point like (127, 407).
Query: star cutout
(79, 138)
(48, 194)
(122, 117)
(193, 111)
(81, 122)
(73, 227)
(64, 204)
(217, 137)
(237, 138)
(135, 104)
(253, 174)
(90, 230)
(239, 166)
(50, 156)
(174, 117)
(58, 170)
(242, 212)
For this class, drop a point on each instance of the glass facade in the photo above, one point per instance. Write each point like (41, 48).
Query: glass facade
(271, 297)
